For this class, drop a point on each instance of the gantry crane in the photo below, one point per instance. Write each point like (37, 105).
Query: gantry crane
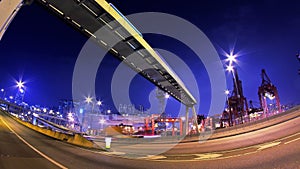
(267, 90)
(236, 103)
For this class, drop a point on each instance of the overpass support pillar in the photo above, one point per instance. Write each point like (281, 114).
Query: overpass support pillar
(195, 118)
(186, 124)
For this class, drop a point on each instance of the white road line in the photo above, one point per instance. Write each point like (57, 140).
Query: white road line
(33, 148)
(292, 140)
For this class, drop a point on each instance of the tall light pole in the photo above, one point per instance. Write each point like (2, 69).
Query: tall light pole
(99, 104)
(90, 100)
(21, 92)
(3, 93)
(237, 101)
(231, 58)
(232, 70)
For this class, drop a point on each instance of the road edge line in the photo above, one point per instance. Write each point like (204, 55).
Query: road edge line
(33, 148)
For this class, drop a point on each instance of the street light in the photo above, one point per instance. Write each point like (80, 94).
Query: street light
(231, 57)
(88, 99)
(229, 68)
(3, 95)
(227, 92)
(20, 84)
(99, 103)
(167, 96)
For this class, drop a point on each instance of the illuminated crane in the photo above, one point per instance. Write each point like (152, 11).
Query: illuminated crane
(267, 90)
(237, 103)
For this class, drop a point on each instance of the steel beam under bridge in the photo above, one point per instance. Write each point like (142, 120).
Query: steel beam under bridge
(89, 16)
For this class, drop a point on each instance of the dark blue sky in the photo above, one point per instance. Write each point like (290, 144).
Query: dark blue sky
(43, 49)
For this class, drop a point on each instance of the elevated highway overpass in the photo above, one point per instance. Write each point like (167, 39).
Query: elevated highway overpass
(119, 37)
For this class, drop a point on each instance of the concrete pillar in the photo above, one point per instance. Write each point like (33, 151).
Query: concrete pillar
(186, 130)
(195, 119)
(180, 126)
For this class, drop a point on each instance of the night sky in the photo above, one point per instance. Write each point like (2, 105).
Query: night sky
(39, 47)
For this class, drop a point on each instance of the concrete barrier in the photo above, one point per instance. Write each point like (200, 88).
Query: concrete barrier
(257, 125)
(75, 139)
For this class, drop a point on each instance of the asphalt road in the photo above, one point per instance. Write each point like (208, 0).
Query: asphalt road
(48, 153)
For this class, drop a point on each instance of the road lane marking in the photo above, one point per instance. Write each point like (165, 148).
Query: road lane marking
(269, 145)
(153, 157)
(33, 148)
(207, 156)
(287, 137)
(292, 140)
(113, 153)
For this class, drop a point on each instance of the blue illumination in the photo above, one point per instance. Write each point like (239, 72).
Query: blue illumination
(81, 111)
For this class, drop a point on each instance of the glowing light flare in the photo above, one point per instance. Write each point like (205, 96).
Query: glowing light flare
(229, 68)
(99, 103)
(20, 84)
(88, 99)
(227, 92)
(231, 57)
(167, 96)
